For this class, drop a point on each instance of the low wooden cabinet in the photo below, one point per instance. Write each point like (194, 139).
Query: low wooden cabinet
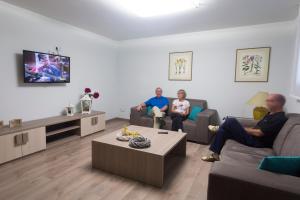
(93, 124)
(31, 137)
(23, 143)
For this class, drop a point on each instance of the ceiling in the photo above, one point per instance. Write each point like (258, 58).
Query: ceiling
(101, 18)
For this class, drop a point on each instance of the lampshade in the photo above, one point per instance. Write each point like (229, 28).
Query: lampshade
(259, 99)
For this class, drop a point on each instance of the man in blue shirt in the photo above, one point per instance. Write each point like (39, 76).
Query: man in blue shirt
(159, 101)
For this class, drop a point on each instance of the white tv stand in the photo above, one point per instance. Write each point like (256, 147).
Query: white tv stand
(31, 136)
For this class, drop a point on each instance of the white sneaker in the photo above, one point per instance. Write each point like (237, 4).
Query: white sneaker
(213, 129)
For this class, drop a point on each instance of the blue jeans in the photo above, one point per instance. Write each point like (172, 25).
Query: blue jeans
(232, 129)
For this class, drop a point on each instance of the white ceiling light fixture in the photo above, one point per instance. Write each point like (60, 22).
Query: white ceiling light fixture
(153, 8)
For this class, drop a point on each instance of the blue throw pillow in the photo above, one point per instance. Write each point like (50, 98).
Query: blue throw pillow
(194, 113)
(149, 111)
(289, 165)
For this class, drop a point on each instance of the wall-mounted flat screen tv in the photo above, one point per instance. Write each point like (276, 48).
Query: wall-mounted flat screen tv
(45, 68)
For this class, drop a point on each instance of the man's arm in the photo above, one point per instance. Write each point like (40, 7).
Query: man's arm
(163, 109)
(255, 132)
(141, 106)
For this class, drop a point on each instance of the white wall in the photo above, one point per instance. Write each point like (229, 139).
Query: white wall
(93, 64)
(143, 65)
(126, 73)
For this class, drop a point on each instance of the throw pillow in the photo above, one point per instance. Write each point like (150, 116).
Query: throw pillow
(194, 112)
(149, 111)
(289, 165)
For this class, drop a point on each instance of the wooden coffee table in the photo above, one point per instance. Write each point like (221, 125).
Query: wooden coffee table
(145, 165)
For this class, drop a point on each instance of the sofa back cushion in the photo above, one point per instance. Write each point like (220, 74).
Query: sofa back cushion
(288, 140)
(193, 102)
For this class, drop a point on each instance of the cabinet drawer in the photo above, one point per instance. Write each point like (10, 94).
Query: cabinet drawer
(92, 124)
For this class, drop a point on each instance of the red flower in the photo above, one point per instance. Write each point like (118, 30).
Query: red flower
(87, 90)
(96, 95)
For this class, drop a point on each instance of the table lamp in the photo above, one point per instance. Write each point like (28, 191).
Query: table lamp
(259, 101)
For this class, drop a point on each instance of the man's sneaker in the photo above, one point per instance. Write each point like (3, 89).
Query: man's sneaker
(211, 158)
(213, 129)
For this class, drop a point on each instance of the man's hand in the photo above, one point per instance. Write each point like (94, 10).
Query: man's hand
(139, 107)
(254, 132)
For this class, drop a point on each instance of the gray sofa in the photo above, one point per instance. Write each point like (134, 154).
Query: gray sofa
(197, 130)
(236, 176)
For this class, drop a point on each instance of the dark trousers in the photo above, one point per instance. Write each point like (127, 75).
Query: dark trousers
(232, 129)
(177, 121)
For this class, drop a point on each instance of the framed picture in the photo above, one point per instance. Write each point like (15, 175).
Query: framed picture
(252, 65)
(180, 66)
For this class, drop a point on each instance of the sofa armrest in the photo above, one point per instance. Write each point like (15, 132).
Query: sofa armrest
(134, 111)
(135, 115)
(227, 181)
(205, 118)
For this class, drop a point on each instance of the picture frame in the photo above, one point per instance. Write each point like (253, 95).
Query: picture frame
(180, 66)
(252, 64)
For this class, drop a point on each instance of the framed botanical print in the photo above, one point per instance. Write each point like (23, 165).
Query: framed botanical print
(252, 65)
(180, 66)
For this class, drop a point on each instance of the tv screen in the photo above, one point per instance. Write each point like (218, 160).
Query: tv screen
(45, 68)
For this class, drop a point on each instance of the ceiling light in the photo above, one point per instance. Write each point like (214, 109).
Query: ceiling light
(151, 8)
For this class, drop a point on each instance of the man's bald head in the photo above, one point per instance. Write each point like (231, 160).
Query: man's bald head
(280, 99)
(275, 102)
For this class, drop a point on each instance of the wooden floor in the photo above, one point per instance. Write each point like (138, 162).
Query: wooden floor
(64, 171)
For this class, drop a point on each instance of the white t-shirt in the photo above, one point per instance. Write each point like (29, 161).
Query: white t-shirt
(181, 106)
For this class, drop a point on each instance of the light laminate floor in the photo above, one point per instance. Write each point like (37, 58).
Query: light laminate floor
(63, 172)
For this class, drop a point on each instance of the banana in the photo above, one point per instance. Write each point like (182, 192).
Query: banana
(129, 133)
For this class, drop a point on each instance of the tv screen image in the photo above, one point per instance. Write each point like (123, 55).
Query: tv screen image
(45, 68)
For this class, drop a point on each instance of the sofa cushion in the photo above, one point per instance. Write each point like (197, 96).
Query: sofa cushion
(233, 146)
(239, 159)
(235, 153)
(146, 121)
(168, 124)
(188, 125)
(288, 137)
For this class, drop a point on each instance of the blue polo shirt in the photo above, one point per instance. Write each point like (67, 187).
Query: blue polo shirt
(157, 101)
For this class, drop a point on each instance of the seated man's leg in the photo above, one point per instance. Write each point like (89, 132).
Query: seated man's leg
(231, 129)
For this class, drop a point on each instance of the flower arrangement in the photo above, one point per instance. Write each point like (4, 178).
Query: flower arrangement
(86, 100)
(88, 91)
